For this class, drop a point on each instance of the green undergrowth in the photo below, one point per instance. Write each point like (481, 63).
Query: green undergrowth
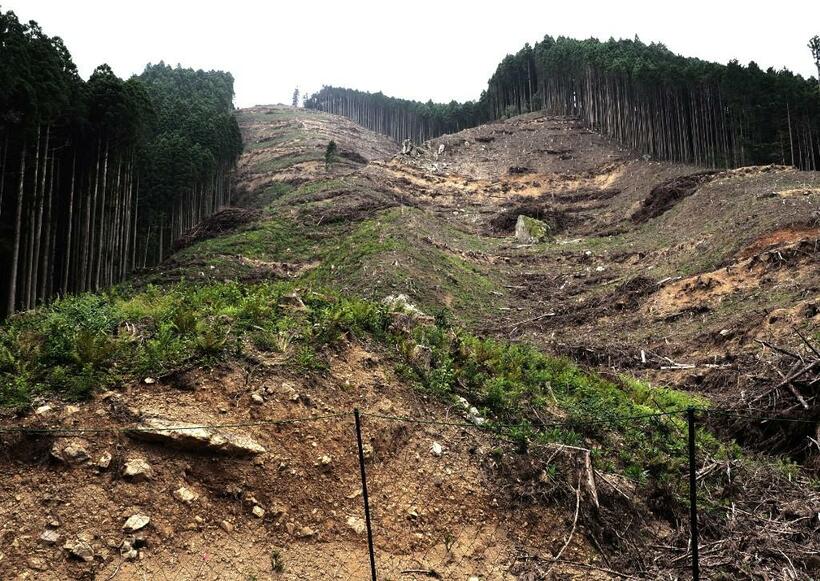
(284, 162)
(86, 343)
(372, 258)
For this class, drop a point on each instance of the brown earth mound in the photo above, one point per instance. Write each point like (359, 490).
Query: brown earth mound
(225, 220)
(668, 193)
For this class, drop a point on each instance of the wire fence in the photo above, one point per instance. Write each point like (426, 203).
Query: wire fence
(357, 496)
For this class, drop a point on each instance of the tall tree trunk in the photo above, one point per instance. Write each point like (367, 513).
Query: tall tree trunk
(38, 237)
(18, 223)
(3, 171)
(31, 230)
(101, 244)
(45, 288)
(69, 226)
(88, 234)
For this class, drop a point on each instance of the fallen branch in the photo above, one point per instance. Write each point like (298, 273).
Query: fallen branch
(574, 524)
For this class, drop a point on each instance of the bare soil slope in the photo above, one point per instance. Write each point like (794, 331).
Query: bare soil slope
(651, 268)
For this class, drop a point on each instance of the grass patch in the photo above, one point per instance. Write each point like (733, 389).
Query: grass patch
(92, 342)
(284, 162)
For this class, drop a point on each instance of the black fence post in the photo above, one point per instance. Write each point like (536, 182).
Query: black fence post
(364, 495)
(693, 495)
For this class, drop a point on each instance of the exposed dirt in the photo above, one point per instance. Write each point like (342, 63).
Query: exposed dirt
(307, 483)
(225, 220)
(660, 270)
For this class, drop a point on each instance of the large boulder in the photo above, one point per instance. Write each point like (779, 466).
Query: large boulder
(530, 231)
(195, 437)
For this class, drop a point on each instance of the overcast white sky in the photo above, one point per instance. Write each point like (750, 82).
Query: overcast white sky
(417, 49)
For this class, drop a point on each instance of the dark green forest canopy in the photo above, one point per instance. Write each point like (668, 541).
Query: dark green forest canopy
(662, 104)
(98, 177)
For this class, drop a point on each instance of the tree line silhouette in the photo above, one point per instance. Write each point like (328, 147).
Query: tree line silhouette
(98, 177)
(661, 104)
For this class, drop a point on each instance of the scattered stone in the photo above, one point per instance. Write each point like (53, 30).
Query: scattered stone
(149, 381)
(80, 549)
(70, 410)
(422, 357)
(257, 398)
(529, 230)
(325, 461)
(37, 564)
(104, 461)
(401, 303)
(306, 532)
(195, 437)
(413, 513)
(127, 550)
(43, 410)
(367, 450)
(436, 449)
(292, 301)
(290, 527)
(50, 537)
(226, 526)
(185, 495)
(135, 523)
(278, 509)
(137, 469)
(404, 315)
(70, 450)
(258, 511)
(358, 525)
(472, 412)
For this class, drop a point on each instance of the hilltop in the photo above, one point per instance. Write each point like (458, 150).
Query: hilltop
(653, 279)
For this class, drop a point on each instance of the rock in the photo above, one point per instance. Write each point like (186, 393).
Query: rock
(529, 230)
(135, 523)
(367, 451)
(474, 417)
(422, 357)
(401, 304)
(358, 525)
(306, 532)
(292, 301)
(127, 550)
(325, 461)
(50, 537)
(195, 437)
(37, 564)
(226, 526)
(404, 315)
(185, 495)
(436, 449)
(149, 381)
(257, 398)
(80, 549)
(258, 511)
(43, 410)
(137, 469)
(104, 461)
(70, 450)
(70, 410)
